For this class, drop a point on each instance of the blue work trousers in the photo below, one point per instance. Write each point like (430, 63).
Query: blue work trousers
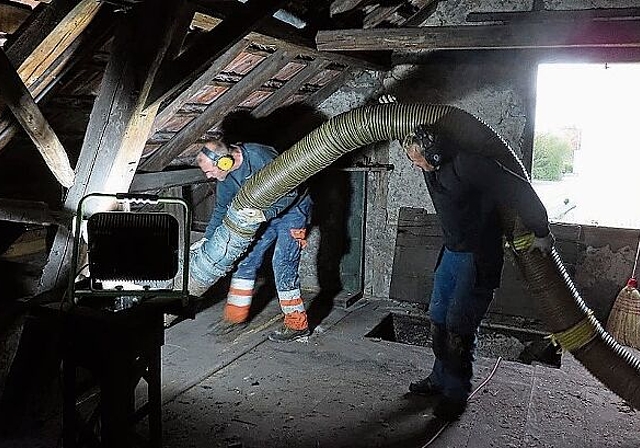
(286, 255)
(457, 308)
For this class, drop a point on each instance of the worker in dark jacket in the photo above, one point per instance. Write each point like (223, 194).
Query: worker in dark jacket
(286, 224)
(466, 189)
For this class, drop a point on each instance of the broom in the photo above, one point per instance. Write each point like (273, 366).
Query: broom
(624, 320)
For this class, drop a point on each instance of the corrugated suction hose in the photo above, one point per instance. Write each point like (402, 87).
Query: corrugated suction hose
(569, 319)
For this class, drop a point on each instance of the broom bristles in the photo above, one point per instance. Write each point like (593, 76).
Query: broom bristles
(624, 320)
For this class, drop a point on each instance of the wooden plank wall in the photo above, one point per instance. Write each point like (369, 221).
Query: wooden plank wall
(417, 248)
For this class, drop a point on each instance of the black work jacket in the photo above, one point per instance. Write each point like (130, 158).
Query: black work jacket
(466, 192)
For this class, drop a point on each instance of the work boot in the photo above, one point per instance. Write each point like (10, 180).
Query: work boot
(425, 388)
(225, 327)
(286, 334)
(449, 410)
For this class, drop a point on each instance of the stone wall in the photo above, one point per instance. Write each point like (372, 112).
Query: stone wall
(499, 88)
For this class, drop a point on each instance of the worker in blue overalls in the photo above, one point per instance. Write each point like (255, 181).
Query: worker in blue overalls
(285, 226)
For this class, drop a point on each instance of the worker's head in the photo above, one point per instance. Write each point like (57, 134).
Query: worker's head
(216, 160)
(424, 148)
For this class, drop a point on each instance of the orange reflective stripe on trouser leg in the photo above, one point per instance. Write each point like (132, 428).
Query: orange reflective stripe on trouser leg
(239, 300)
(300, 235)
(295, 316)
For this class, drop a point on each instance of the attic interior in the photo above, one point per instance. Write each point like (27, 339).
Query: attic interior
(119, 96)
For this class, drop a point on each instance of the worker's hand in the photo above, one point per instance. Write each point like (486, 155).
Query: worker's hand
(252, 215)
(387, 99)
(543, 243)
(198, 244)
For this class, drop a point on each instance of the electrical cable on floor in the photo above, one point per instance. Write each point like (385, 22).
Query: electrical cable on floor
(476, 390)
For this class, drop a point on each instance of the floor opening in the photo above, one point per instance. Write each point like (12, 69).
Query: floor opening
(514, 344)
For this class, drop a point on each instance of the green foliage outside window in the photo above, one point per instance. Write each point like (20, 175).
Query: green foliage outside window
(552, 157)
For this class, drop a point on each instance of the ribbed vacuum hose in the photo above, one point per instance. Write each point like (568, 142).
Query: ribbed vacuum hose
(578, 331)
(567, 315)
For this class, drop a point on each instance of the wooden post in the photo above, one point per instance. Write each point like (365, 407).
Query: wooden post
(118, 126)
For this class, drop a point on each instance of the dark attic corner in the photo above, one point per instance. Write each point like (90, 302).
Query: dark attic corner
(340, 223)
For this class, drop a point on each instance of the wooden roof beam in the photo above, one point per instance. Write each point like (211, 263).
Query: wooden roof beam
(169, 110)
(176, 74)
(17, 97)
(485, 37)
(75, 35)
(216, 111)
(329, 88)
(427, 9)
(601, 14)
(290, 88)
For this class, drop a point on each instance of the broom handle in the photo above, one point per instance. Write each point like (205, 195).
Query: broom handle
(635, 263)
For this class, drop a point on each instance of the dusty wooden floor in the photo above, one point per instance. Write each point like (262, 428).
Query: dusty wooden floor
(342, 389)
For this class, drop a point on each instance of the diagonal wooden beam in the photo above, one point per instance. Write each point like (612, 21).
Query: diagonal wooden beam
(216, 111)
(329, 88)
(485, 37)
(428, 8)
(166, 112)
(119, 125)
(180, 72)
(288, 89)
(16, 96)
(379, 15)
(78, 33)
(43, 19)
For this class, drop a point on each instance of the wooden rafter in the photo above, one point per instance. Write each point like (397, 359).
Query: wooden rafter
(176, 74)
(119, 125)
(18, 99)
(168, 111)
(78, 33)
(482, 37)
(216, 111)
(329, 88)
(427, 9)
(380, 14)
(290, 88)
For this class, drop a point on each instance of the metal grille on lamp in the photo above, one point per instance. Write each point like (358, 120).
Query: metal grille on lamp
(133, 246)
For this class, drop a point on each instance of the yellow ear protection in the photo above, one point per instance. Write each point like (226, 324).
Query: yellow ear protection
(224, 163)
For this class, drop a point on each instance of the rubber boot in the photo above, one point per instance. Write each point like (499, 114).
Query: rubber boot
(432, 385)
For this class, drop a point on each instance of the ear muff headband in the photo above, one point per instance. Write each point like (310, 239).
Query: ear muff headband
(224, 163)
